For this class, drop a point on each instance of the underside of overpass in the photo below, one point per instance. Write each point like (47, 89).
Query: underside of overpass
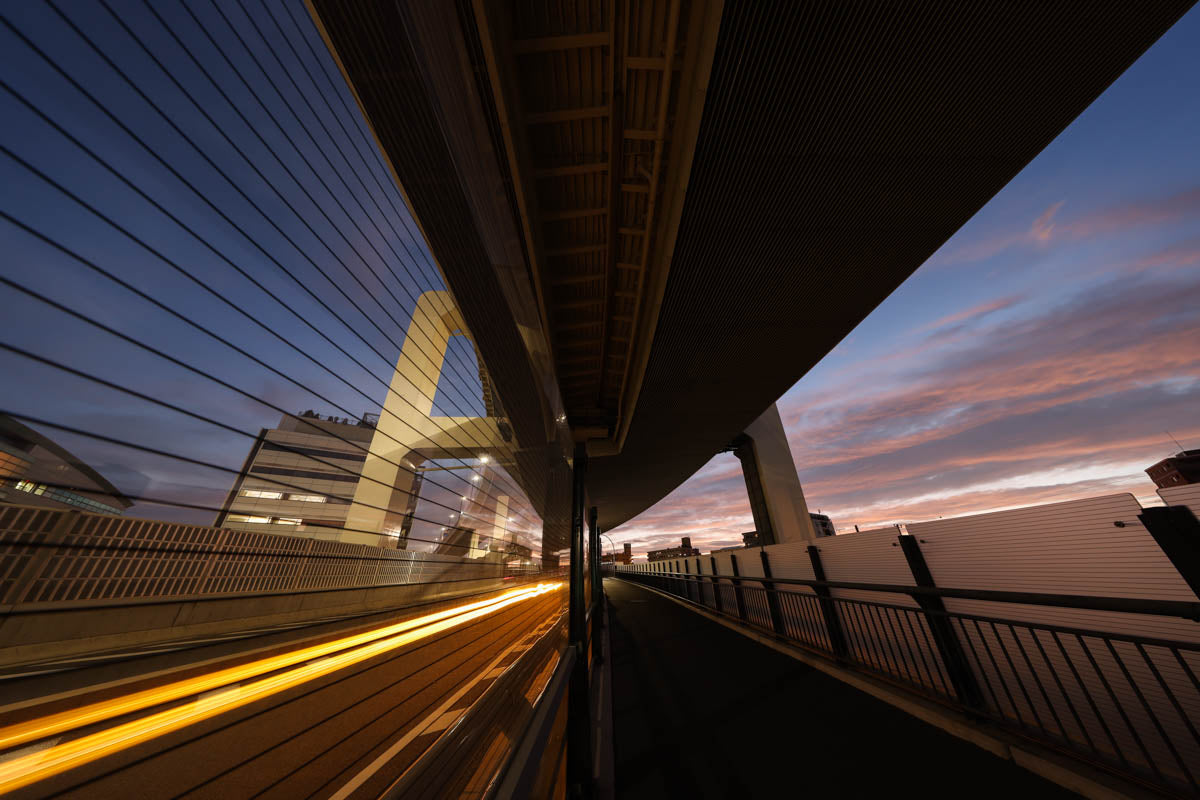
(656, 217)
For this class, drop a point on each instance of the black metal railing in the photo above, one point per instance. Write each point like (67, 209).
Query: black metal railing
(1126, 703)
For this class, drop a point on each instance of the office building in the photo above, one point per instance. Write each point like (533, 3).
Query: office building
(1178, 470)
(683, 551)
(299, 477)
(36, 471)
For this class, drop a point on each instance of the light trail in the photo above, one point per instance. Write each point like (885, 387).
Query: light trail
(16, 735)
(24, 770)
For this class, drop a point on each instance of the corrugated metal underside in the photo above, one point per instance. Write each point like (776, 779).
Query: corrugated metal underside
(841, 144)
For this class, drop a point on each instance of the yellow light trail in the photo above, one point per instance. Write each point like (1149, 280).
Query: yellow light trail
(24, 770)
(44, 727)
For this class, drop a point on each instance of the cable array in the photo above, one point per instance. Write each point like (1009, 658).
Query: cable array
(297, 155)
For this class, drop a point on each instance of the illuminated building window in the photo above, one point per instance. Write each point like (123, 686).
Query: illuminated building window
(307, 498)
(262, 493)
(247, 518)
(288, 520)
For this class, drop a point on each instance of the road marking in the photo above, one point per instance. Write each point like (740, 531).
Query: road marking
(21, 733)
(30, 751)
(420, 729)
(24, 770)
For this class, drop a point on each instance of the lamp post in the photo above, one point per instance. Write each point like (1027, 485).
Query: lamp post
(613, 548)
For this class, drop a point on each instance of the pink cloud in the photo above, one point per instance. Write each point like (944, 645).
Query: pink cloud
(1047, 226)
(1085, 383)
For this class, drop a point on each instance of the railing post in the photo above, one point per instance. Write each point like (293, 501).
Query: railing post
(579, 729)
(716, 582)
(597, 586)
(1177, 532)
(737, 589)
(833, 624)
(772, 597)
(944, 638)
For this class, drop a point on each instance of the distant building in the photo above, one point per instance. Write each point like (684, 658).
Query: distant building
(299, 478)
(36, 471)
(822, 524)
(1178, 470)
(683, 551)
(624, 557)
(749, 539)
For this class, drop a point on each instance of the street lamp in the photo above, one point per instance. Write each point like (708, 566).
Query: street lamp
(612, 547)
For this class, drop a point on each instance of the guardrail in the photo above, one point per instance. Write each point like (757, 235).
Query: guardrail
(53, 557)
(1127, 703)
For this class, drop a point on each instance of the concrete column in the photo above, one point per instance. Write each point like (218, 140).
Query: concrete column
(776, 498)
(407, 428)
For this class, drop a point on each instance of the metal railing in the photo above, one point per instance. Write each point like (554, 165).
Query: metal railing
(1125, 703)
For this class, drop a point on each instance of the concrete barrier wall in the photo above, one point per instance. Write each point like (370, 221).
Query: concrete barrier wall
(76, 584)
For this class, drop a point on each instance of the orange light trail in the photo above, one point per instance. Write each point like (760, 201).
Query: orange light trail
(24, 770)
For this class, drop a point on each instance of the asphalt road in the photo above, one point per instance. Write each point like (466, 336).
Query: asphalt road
(347, 733)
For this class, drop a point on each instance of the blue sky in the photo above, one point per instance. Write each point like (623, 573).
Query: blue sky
(1039, 355)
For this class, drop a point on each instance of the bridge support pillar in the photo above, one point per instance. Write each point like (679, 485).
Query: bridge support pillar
(776, 498)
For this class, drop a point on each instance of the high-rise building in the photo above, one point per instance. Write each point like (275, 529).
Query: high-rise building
(299, 477)
(1178, 470)
(36, 471)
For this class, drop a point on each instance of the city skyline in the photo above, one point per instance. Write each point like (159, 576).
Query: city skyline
(1041, 354)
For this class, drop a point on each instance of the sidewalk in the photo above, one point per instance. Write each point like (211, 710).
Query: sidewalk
(703, 712)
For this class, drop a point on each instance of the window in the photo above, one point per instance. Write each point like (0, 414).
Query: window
(307, 498)
(247, 518)
(288, 520)
(269, 495)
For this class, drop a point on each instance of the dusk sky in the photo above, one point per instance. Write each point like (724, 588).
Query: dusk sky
(1040, 355)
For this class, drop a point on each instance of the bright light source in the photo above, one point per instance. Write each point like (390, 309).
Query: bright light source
(484, 458)
(23, 769)
(475, 478)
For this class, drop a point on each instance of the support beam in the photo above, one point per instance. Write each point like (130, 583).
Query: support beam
(579, 729)
(833, 623)
(571, 169)
(776, 497)
(571, 280)
(566, 115)
(547, 44)
(578, 250)
(597, 585)
(944, 638)
(573, 213)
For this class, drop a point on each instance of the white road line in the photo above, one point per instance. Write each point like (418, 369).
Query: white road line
(30, 750)
(419, 729)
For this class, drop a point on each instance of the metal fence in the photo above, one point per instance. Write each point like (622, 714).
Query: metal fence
(1127, 703)
(53, 556)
